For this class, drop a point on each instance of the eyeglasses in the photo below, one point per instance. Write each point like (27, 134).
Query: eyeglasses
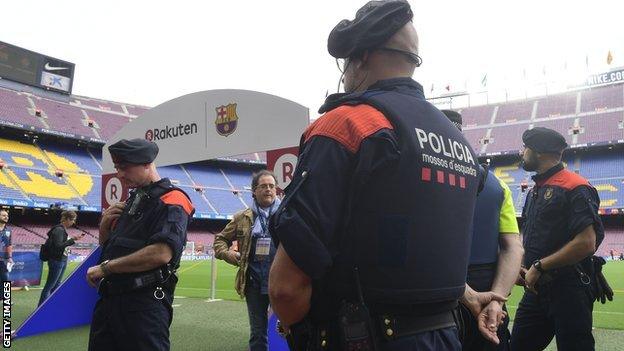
(266, 186)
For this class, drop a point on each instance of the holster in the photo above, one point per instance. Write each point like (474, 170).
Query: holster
(304, 336)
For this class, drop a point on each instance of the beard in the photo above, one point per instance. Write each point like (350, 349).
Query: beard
(529, 165)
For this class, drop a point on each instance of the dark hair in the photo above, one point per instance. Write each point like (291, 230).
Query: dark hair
(68, 215)
(256, 178)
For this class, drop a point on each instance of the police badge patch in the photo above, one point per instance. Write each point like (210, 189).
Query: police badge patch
(226, 120)
(548, 194)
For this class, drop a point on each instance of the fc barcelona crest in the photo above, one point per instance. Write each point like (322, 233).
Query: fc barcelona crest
(226, 120)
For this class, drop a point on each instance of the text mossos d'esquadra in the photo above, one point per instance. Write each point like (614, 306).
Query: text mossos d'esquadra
(446, 153)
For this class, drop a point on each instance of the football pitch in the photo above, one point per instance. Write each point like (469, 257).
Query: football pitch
(222, 325)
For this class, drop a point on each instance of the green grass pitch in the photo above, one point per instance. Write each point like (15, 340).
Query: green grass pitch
(223, 325)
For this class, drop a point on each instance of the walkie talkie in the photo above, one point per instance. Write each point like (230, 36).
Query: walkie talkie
(355, 324)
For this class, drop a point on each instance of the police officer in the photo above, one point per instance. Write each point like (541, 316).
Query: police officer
(495, 255)
(6, 249)
(368, 257)
(561, 231)
(142, 241)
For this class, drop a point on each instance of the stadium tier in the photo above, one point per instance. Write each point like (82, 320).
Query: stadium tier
(50, 173)
(605, 171)
(613, 241)
(45, 173)
(585, 118)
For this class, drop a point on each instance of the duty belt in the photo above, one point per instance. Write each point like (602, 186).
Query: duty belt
(120, 286)
(397, 326)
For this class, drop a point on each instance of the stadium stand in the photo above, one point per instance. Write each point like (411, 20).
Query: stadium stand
(224, 201)
(557, 105)
(602, 98)
(63, 117)
(614, 240)
(13, 108)
(176, 174)
(107, 124)
(32, 171)
(562, 125)
(601, 127)
(505, 138)
(207, 176)
(514, 111)
(477, 116)
(99, 104)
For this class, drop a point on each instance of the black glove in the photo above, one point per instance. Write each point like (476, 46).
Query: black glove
(601, 286)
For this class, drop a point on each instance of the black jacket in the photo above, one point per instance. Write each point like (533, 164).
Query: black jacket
(58, 242)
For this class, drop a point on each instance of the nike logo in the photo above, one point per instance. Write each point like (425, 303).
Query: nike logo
(52, 68)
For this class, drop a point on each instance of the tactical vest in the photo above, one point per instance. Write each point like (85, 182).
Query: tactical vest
(484, 247)
(136, 224)
(409, 230)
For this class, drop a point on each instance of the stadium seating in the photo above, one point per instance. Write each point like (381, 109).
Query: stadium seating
(14, 108)
(200, 204)
(100, 104)
(136, 110)
(200, 237)
(602, 98)
(614, 240)
(205, 176)
(63, 117)
(563, 126)
(514, 111)
(108, 123)
(175, 174)
(224, 201)
(477, 116)
(240, 178)
(505, 138)
(556, 105)
(602, 127)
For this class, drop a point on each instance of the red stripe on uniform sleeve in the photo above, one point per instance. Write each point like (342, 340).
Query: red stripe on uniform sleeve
(176, 197)
(349, 125)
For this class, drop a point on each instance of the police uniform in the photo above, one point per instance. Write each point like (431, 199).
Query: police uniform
(373, 190)
(494, 215)
(557, 208)
(5, 240)
(134, 311)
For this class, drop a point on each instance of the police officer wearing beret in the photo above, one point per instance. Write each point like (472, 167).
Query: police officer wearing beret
(142, 241)
(367, 216)
(561, 232)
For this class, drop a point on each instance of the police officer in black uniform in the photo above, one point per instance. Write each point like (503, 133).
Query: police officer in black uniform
(142, 241)
(561, 231)
(374, 229)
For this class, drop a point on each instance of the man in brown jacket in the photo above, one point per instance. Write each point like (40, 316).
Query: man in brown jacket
(250, 228)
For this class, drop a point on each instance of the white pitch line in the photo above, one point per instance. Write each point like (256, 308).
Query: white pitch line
(601, 312)
(178, 305)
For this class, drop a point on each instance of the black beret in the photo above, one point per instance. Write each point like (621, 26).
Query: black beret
(373, 25)
(455, 117)
(544, 140)
(136, 151)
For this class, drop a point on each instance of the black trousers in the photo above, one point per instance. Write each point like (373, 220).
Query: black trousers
(480, 279)
(134, 321)
(562, 309)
